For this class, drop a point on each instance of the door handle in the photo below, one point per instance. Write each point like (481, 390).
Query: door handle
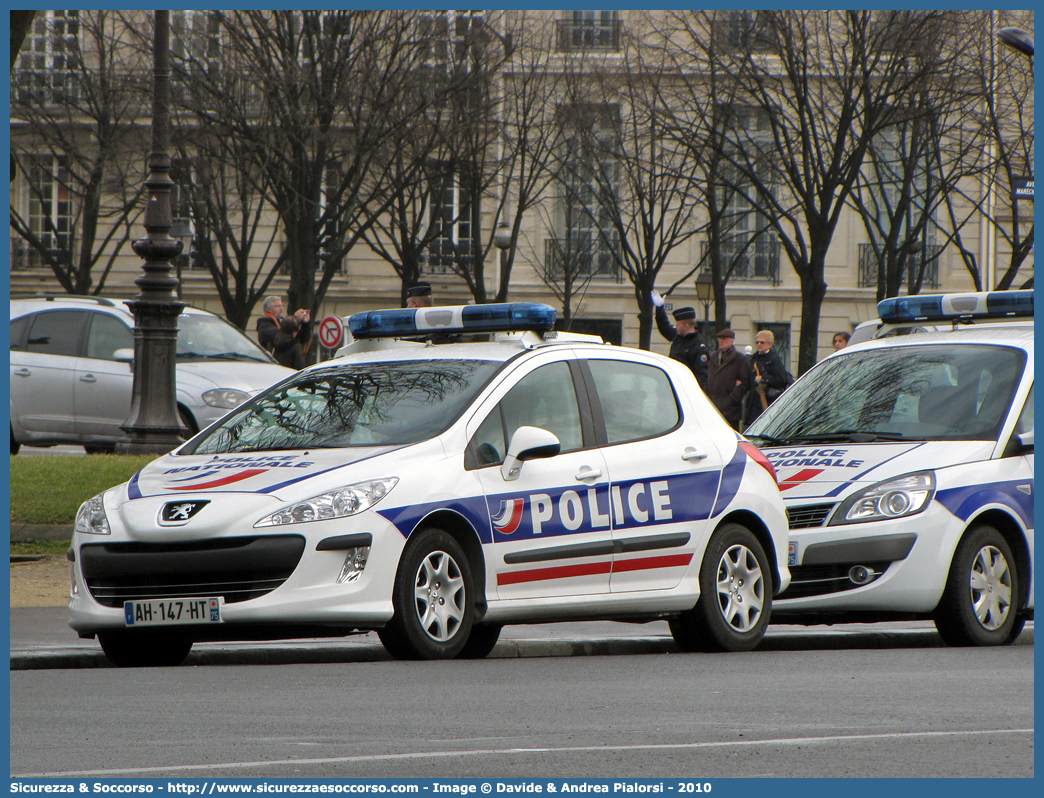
(23, 372)
(586, 472)
(88, 378)
(691, 453)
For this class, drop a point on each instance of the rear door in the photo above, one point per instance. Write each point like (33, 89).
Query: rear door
(664, 473)
(103, 386)
(43, 370)
(550, 526)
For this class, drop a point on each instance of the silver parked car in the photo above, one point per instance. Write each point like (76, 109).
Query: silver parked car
(71, 370)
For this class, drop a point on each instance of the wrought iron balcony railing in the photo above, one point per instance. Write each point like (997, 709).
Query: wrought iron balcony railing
(759, 261)
(588, 34)
(580, 259)
(870, 266)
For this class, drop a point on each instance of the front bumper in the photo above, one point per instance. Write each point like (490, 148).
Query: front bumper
(897, 566)
(282, 576)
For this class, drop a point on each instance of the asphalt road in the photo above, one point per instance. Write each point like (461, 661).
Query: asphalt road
(847, 709)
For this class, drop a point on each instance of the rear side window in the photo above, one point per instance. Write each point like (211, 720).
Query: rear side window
(56, 332)
(107, 335)
(637, 400)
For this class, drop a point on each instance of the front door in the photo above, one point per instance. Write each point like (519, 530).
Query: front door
(551, 526)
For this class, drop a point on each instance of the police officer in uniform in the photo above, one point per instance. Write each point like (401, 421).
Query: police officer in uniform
(686, 344)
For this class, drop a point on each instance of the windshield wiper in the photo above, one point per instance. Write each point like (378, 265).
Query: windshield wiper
(851, 435)
(222, 356)
(769, 438)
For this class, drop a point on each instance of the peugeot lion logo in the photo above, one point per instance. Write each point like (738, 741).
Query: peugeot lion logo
(180, 512)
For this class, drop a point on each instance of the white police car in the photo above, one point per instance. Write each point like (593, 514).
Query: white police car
(906, 465)
(437, 492)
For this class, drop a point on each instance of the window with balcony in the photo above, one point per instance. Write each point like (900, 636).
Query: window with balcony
(453, 41)
(450, 250)
(749, 248)
(587, 244)
(742, 31)
(45, 72)
(589, 30)
(195, 46)
(50, 210)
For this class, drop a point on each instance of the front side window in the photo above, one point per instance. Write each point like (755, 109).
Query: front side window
(544, 398)
(637, 400)
(365, 404)
(106, 336)
(946, 392)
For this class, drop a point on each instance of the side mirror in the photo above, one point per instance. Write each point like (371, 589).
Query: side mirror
(123, 355)
(528, 443)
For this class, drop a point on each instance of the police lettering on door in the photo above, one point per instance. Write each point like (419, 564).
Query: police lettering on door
(567, 510)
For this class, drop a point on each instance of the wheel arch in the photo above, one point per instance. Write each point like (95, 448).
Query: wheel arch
(461, 530)
(754, 523)
(1012, 533)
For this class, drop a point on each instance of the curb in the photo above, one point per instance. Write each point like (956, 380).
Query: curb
(311, 654)
(32, 533)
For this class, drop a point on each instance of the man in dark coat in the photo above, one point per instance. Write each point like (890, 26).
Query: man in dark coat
(686, 344)
(728, 378)
(768, 376)
(268, 324)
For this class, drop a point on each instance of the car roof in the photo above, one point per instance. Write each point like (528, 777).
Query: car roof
(21, 306)
(1018, 335)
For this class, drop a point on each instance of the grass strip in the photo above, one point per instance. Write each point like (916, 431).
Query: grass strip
(49, 490)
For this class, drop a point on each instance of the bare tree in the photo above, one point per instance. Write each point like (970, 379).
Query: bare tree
(308, 100)
(628, 174)
(1001, 81)
(739, 241)
(835, 82)
(73, 106)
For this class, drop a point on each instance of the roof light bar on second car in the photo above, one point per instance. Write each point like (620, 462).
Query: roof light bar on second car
(947, 307)
(452, 320)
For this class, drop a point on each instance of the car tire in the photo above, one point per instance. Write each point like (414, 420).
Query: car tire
(187, 422)
(100, 448)
(979, 603)
(481, 641)
(15, 445)
(433, 599)
(735, 595)
(144, 649)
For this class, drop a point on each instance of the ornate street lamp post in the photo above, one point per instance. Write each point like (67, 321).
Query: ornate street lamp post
(153, 426)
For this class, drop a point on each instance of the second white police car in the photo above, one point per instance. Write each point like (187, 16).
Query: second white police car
(434, 493)
(906, 465)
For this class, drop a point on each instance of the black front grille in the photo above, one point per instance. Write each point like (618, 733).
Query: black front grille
(809, 516)
(821, 580)
(238, 569)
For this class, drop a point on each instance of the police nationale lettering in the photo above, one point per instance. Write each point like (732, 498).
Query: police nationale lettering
(812, 457)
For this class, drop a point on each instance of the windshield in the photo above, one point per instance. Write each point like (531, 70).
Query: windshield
(367, 404)
(213, 338)
(949, 392)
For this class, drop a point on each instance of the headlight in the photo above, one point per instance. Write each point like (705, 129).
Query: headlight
(225, 398)
(892, 499)
(90, 518)
(338, 503)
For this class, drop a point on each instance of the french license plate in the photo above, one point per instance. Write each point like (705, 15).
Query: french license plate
(792, 551)
(172, 611)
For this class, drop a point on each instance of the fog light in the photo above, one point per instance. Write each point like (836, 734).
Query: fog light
(354, 563)
(860, 574)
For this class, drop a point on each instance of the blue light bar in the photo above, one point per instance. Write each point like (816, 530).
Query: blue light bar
(453, 320)
(951, 307)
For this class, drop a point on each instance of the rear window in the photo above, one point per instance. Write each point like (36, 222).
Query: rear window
(369, 404)
(949, 392)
